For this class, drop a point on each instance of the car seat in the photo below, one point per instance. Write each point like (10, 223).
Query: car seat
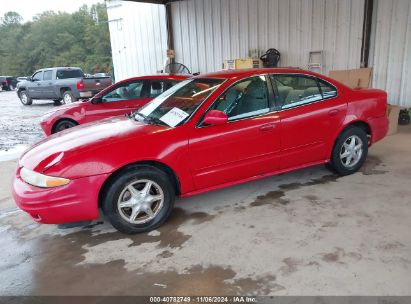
(294, 96)
(156, 88)
(254, 98)
(229, 99)
(283, 92)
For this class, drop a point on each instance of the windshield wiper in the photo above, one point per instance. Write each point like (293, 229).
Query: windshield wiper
(150, 120)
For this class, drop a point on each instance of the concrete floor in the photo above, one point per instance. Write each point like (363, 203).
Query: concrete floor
(302, 233)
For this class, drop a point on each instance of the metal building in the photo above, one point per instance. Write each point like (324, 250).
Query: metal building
(207, 32)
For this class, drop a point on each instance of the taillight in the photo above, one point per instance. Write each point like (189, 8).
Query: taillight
(6, 82)
(80, 85)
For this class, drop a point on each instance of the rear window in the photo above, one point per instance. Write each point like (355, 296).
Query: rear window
(65, 74)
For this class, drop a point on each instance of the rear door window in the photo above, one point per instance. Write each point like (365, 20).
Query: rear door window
(327, 89)
(296, 90)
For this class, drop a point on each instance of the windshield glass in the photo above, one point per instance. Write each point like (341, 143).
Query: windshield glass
(175, 105)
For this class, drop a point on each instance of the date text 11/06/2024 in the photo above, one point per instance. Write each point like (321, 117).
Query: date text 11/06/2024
(206, 299)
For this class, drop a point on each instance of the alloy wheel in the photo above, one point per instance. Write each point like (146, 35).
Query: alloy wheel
(23, 97)
(140, 201)
(67, 99)
(351, 151)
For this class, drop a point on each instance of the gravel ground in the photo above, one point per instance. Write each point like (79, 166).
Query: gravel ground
(19, 125)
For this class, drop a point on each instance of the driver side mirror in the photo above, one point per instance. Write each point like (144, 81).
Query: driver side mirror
(215, 118)
(96, 100)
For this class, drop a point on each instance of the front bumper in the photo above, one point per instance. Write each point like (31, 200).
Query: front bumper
(77, 201)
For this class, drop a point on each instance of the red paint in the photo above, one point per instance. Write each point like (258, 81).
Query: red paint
(215, 117)
(86, 111)
(203, 158)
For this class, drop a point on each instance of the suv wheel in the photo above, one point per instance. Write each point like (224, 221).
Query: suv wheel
(25, 98)
(140, 199)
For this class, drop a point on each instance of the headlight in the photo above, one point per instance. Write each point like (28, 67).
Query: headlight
(41, 180)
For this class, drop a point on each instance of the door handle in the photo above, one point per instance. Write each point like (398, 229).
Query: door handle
(267, 127)
(333, 112)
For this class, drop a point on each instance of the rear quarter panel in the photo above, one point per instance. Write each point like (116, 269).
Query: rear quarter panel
(369, 106)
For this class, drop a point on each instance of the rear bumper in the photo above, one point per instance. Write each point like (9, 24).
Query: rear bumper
(77, 201)
(88, 94)
(379, 128)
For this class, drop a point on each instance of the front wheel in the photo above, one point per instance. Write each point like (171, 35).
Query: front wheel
(139, 199)
(350, 151)
(25, 98)
(63, 125)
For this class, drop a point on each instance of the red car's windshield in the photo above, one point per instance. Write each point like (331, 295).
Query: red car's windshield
(175, 105)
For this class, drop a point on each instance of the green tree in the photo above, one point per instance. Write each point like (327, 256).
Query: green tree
(56, 39)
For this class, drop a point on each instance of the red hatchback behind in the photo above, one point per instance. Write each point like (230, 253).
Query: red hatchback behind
(123, 97)
(205, 133)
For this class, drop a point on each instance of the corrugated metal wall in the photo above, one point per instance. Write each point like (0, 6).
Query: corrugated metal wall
(138, 38)
(391, 49)
(207, 32)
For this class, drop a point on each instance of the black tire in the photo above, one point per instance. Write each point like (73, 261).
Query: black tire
(68, 97)
(337, 161)
(132, 174)
(25, 98)
(57, 102)
(62, 125)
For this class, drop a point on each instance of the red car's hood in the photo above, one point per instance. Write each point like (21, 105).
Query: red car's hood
(81, 139)
(65, 107)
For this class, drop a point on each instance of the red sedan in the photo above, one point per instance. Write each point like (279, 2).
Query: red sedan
(205, 133)
(123, 97)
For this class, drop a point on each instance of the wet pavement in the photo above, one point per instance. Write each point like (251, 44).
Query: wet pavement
(303, 233)
(19, 125)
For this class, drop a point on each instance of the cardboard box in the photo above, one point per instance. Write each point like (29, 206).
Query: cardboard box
(356, 78)
(392, 113)
(242, 63)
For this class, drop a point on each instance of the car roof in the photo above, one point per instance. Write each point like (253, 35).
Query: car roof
(58, 68)
(158, 76)
(250, 72)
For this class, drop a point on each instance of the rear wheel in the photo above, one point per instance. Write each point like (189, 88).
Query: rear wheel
(68, 97)
(350, 151)
(63, 125)
(140, 199)
(25, 98)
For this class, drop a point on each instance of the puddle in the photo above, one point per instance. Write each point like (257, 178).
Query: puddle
(369, 167)
(273, 198)
(277, 197)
